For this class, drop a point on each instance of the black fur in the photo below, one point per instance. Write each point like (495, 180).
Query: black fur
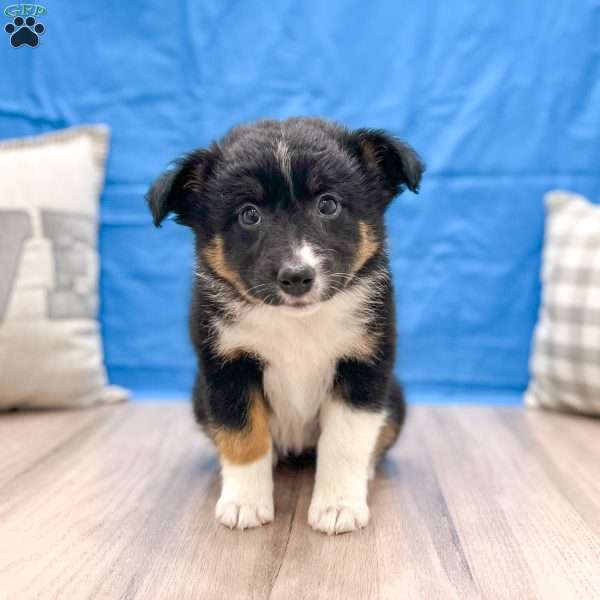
(206, 191)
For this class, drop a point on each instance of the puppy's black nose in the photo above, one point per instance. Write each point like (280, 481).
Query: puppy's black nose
(296, 280)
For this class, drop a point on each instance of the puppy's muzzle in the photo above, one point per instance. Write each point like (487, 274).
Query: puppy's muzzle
(296, 280)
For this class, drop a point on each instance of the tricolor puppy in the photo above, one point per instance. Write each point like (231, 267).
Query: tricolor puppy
(293, 311)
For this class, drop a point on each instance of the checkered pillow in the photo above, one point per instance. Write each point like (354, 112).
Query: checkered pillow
(565, 361)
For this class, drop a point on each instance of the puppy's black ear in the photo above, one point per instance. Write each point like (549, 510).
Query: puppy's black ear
(395, 163)
(180, 189)
(160, 199)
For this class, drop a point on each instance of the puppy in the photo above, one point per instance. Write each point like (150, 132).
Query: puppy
(293, 310)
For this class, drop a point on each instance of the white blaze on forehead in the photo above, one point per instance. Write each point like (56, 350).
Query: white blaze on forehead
(306, 255)
(283, 156)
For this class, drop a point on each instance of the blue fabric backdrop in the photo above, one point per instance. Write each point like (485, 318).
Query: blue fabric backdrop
(502, 99)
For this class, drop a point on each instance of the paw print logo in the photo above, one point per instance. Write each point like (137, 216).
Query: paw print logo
(24, 32)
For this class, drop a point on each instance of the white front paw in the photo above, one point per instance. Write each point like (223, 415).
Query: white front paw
(247, 494)
(336, 517)
(244, 515)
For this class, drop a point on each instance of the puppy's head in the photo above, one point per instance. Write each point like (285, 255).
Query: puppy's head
(291, 212)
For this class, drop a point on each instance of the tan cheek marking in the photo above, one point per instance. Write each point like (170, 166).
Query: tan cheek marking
(250, 444)
(367, 247)
(215, 257)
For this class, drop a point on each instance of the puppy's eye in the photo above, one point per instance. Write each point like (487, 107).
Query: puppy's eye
(328, 206)
(249, 216)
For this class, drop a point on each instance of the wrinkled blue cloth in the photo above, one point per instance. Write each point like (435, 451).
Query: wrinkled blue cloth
(501, 99)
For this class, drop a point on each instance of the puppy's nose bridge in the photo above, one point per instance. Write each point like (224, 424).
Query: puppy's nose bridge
(296, 279)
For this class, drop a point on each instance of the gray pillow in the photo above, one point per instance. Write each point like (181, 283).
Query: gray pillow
(50, 346)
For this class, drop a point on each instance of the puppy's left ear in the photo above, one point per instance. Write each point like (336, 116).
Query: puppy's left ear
(181, 189)
(394, 163)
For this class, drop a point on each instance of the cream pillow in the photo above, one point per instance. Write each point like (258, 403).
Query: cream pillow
(565, 359)
(50, 346)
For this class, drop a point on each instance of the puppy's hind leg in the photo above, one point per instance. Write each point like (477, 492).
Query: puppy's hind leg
(395, 417)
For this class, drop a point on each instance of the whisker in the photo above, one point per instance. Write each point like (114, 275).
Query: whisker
(336, 288)
(348, 275)
(347, 278)
(258, 287)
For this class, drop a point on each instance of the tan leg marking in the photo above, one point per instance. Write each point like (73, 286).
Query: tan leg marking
(250, 444)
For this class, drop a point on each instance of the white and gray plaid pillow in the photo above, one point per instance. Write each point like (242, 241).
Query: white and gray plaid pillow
(565, 360)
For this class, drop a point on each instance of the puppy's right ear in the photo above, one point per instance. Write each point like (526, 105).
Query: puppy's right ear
(179, 190)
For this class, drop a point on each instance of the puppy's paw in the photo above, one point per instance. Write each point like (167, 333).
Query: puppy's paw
(339, 517)
(244, 515)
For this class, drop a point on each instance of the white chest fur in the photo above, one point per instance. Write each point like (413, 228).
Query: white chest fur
(300, 349)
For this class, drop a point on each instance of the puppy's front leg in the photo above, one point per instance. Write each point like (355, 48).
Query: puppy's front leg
(239, 426)
(344, 454)
(247, 469)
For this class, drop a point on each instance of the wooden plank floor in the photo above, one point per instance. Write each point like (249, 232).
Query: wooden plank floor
(474, 502)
